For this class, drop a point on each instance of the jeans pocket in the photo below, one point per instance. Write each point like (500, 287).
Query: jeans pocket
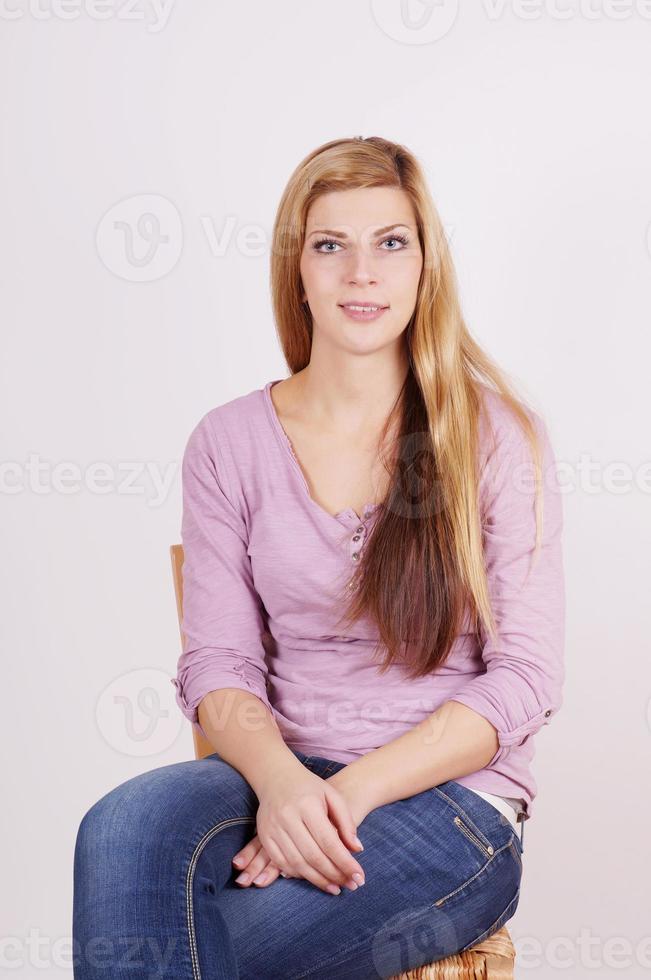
(464, 822)
(486, 849)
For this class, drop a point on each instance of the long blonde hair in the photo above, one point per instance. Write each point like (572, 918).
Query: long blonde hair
(417, 578)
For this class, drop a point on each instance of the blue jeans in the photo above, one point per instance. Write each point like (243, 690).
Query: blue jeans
(155, 896)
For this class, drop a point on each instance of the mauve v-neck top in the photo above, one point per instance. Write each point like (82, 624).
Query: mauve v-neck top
(264, 566)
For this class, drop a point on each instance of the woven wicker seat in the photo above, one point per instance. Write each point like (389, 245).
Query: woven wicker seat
(493, 958)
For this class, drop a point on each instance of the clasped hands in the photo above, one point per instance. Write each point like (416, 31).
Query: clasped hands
(305, 828)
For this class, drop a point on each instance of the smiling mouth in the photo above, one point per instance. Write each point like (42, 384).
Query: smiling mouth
(362, 307)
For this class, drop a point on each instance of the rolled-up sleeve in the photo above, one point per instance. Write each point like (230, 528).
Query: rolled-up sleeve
(222, 623)
(521, 688)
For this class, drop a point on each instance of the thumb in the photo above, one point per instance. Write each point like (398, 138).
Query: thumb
(339, 812)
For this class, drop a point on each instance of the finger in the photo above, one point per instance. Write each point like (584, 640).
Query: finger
(262, 865)
(307, 861)
(340, 815)
(329, 843)
(277, 855)
(253, 868)
(270, 872)
(246, 855)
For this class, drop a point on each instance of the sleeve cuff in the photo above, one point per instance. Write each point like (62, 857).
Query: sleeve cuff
(507, 737)
(238, 677)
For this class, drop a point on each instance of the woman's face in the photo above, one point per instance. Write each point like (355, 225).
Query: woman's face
(361, 247)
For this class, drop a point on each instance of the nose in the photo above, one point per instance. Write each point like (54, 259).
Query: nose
(361, 269)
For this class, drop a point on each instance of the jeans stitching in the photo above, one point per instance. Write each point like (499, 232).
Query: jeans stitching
(499, 922)
(360, 943)
(231, 821)
(458, 822)
(462, 813)
(442, 901)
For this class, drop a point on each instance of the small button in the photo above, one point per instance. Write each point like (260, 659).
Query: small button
(548, 712)
(355, 555)
(361, 529)
(356, 537)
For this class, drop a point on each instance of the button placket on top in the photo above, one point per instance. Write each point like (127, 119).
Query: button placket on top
(359, 534)
(356, 542)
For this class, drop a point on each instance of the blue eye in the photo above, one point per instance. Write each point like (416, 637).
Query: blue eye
(390, 238)
(396, 238)
(324, 241)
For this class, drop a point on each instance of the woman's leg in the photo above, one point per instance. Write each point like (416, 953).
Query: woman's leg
(151, 859)
(443, 870)
(155, 896)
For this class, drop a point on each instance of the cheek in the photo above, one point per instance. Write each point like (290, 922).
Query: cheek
(405, 286)
(319, 277)
(409, 279)
(325, 286)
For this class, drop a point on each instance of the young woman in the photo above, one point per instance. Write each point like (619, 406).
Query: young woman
(373, 628)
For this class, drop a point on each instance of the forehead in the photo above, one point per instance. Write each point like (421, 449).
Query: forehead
(361, 209)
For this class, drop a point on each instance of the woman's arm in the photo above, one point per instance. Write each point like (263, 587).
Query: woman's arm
(520, 689)
(222, 673)
(245, 734)
(454, 741)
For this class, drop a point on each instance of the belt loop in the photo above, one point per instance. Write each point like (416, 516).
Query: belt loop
(522, 834)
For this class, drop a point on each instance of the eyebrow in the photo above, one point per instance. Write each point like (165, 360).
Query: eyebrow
(342, 234)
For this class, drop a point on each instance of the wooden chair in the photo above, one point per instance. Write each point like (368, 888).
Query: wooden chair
(492, 959)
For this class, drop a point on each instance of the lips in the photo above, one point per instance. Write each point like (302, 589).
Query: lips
(364, 306)
(362, 314)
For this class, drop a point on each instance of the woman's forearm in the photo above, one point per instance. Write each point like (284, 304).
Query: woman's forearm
(452, 742)
(245, 734)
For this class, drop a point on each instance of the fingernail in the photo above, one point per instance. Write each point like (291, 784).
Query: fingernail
(359, 878)
(334, 889)
(243, 878)
(237, 862)
(260, 880)
(359, 843)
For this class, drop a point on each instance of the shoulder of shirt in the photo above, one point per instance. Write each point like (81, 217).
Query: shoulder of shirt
(233, 415)
(239, 419)
(229, 429)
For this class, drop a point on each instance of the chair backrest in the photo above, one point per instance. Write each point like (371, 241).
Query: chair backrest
(202, 746)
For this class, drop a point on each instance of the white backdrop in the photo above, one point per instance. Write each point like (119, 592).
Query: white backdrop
(143, 153)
